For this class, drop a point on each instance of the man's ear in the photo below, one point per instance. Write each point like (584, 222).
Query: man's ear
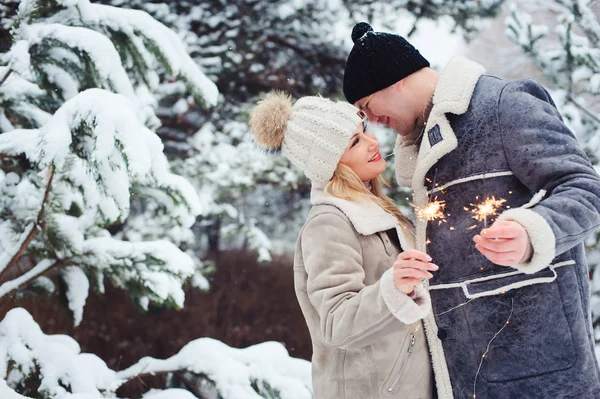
(400, 85)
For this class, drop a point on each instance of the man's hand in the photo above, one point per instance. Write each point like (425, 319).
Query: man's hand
(410, 268)
(504, 243)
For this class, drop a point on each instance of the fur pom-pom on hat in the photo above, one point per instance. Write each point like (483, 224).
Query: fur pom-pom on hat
(268, 120)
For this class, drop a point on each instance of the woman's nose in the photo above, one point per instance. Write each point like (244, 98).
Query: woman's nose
(373, 143)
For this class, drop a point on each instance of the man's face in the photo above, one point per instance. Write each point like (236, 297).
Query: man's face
(392, 107)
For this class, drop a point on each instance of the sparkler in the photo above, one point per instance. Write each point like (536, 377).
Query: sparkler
(485, 209)
(434, 210)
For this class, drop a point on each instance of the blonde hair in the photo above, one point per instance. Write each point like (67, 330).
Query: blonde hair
(346, 184)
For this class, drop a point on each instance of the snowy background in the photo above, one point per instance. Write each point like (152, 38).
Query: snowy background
(145, 243)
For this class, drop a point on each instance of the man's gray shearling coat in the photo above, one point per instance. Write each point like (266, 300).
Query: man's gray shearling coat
(368, 339)
(491, 137)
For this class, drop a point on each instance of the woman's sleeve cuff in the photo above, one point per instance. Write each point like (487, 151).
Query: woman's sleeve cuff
(407, 310)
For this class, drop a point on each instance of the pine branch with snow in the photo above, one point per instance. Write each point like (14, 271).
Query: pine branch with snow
(260, 371)
(569, 57)
(78, 144)
(66, 47)
(229, 171)
(93, 149)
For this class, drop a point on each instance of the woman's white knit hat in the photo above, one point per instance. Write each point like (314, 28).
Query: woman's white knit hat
(313, 133)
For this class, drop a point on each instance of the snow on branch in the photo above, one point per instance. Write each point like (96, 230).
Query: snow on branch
(87, 45)
(174, 393)
(100, 129)
(157, 39)
(26, 353)
(165, 212)
(78, 287)
(150, 270)
(113, 128)
(20, 240)
(7, 393)
(236, 369)
(34, 272)
(183, 203)
(572, 62)
(99, 48)
(96, 149)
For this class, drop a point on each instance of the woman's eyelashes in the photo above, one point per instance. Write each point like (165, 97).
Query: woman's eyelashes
(364, 127)
(354, 142)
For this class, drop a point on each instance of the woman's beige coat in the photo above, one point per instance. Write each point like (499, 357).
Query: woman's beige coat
(367, 337)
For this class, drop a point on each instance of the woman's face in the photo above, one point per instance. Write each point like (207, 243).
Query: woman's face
(362, 154)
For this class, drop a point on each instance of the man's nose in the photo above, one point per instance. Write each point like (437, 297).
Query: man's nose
(372, 117)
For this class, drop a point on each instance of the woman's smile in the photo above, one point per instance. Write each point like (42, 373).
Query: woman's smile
(376, 157)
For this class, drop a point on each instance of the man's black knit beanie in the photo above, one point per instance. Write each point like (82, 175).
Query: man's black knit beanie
(378, 60)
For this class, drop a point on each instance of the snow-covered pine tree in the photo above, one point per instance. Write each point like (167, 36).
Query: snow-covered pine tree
(77, 142)
(247, 48)
(81, 168)
(567, 52)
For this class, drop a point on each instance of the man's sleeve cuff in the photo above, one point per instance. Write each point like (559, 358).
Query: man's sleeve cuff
(541, 238)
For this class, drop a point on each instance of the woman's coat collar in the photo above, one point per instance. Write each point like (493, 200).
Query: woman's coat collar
(365, 216)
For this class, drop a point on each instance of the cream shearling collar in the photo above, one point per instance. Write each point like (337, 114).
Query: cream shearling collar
(365, 216)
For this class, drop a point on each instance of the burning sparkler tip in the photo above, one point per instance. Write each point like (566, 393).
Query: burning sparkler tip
(484, 210)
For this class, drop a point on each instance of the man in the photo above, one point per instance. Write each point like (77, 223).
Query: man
(511, 315)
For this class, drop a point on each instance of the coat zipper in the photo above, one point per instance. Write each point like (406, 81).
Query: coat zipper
(403, 365)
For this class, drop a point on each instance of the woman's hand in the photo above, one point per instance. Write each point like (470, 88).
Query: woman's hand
(410, 268)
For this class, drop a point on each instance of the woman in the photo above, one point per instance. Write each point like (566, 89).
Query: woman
(360, 293)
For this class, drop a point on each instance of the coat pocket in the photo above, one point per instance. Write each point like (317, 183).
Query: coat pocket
(392, 384)
(518, 326)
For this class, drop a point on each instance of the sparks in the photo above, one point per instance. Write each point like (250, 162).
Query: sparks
(434, 210)
(488, 208)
